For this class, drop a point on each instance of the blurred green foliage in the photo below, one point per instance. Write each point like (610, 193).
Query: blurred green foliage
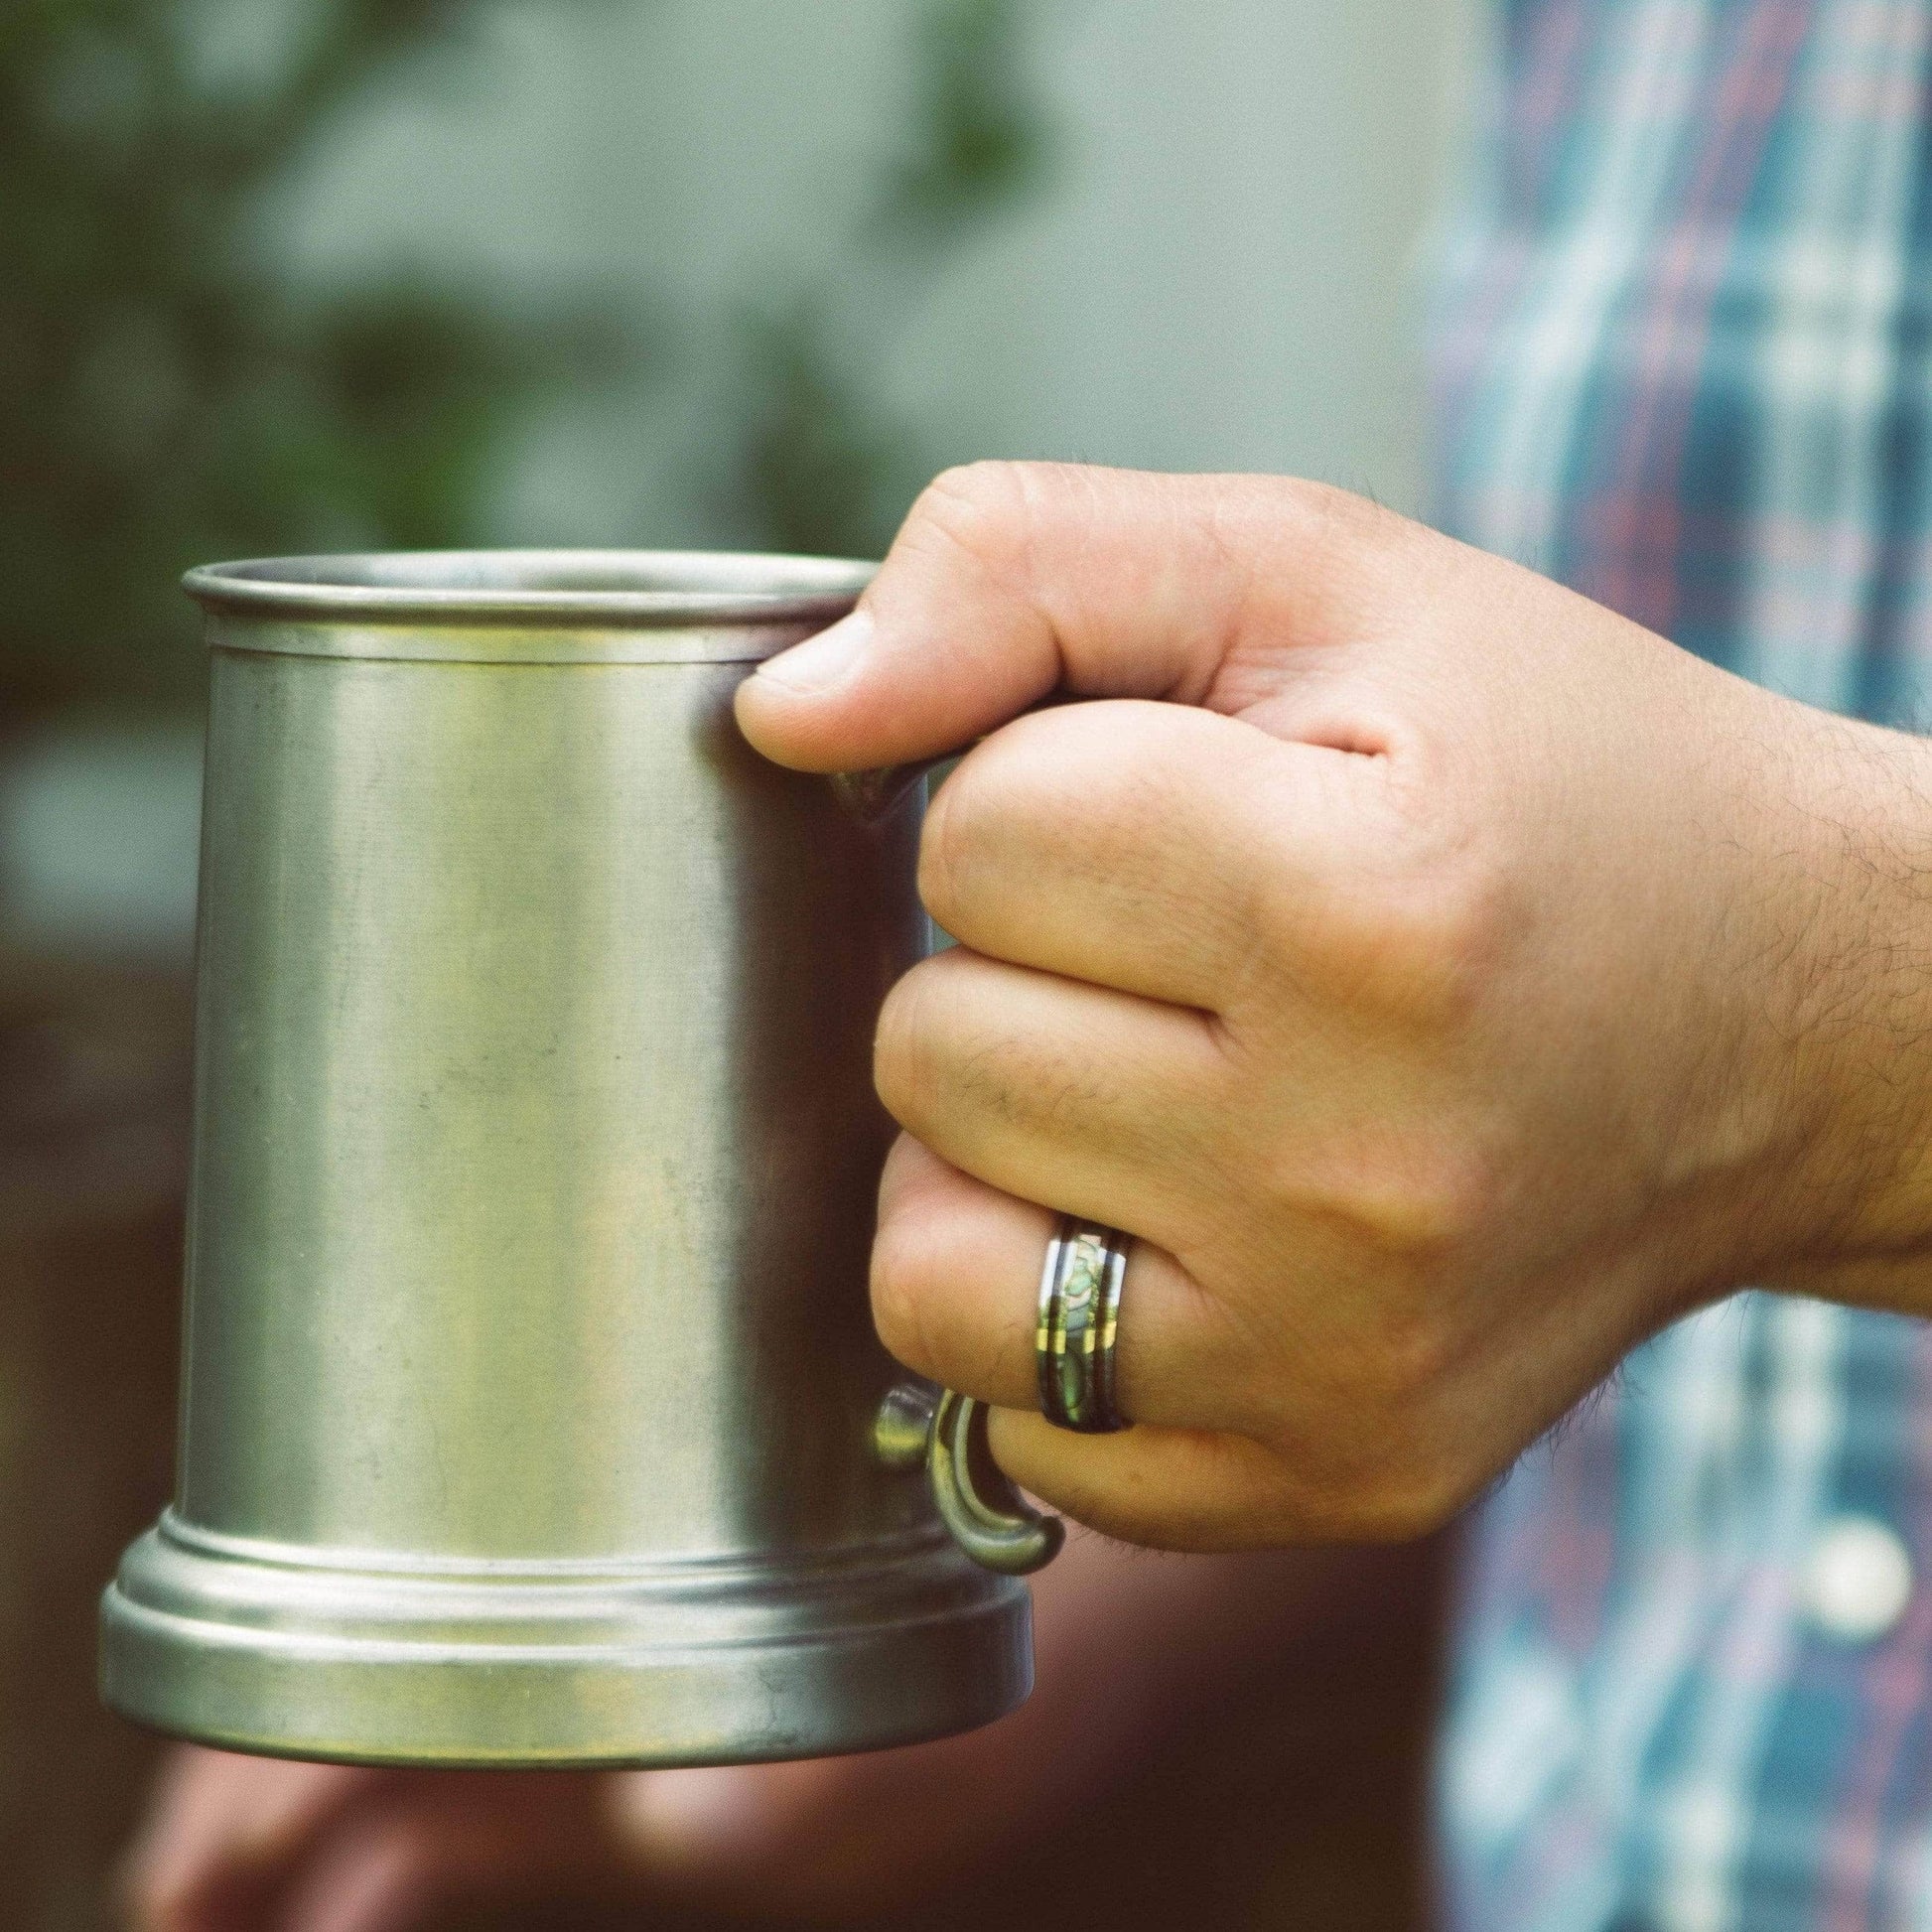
(166, 396)
(979, 129)
(822, 465)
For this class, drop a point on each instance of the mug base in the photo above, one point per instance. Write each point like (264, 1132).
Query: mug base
(359, 1659)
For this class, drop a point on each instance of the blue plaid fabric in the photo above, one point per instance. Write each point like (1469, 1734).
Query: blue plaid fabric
(1682, 362)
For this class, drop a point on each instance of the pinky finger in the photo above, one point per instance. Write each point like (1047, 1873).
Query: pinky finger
(1163, 1488)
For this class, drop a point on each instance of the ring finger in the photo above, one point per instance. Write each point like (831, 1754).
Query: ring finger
(955, 1289)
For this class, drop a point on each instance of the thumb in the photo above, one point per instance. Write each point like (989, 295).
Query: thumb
(1011, 581)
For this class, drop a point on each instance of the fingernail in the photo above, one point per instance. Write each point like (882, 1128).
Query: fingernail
(820, 662)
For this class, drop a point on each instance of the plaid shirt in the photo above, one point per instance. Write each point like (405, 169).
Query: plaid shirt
(1683, 359)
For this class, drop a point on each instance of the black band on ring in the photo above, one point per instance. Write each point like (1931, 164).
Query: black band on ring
(1080, 1322)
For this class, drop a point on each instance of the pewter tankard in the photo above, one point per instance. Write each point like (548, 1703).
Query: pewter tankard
(531, 1412)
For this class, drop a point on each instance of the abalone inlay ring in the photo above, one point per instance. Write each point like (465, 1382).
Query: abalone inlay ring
(1079, 1321)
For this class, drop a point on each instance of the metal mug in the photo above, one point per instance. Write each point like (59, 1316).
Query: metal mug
(531, 1412)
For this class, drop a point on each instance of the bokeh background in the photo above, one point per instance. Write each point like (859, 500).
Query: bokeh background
(285, 275)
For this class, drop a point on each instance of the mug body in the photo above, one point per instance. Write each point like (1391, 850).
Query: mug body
(528, 1380)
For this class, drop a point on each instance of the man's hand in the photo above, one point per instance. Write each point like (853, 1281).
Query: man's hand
(1448, 982)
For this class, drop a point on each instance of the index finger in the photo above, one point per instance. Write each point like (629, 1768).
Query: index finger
(1149, 848)
(1012, 581)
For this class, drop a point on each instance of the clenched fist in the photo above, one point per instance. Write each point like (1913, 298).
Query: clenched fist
(1447, 983)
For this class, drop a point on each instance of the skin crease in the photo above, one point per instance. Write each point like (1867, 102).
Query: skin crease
(1446, 982)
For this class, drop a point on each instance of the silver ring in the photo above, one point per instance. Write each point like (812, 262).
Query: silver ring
(1079, 1322)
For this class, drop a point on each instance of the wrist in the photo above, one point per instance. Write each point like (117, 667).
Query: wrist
(1853, 866)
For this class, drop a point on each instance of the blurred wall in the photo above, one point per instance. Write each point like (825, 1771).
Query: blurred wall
(99, 825)
(1219, 275)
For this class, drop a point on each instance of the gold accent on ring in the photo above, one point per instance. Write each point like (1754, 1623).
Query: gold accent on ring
(1079, 1326)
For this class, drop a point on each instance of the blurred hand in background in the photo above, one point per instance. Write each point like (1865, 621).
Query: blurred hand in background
(1128, 1645)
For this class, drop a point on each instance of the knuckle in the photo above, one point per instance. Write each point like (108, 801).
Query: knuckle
(904, 1061)
(941, 1047)
(983, 510)
(1417, 944)
(946, 1060)
(1315, 502)
(898, 1298)
(1380, 1452)
(1444, 928)
(1410, 1207)
(1404, 1504)
(998, 512)
(1434, 1201)
(948, 843)
(1395, 1487)
(1411, 1352)
(1134, 772)
(1060, 796)
(1340, 524)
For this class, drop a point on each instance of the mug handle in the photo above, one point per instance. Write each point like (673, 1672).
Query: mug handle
(988, 1517)
(872, 796)
(946, 1431)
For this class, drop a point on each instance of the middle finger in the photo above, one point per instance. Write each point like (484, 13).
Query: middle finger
(1105, 1105)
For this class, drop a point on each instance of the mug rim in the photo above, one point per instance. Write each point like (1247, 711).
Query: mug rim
(611, 589)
